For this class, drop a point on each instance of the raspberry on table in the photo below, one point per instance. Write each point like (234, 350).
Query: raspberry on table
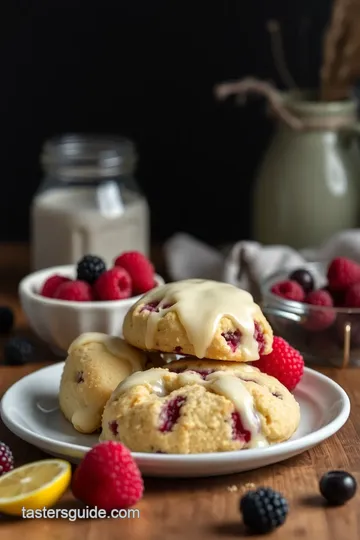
(352, 296)
(6, 319)
(284, 363)
(6, 459)
(89, 268)
(74, 291)
(140, 270)
(108, 478)
(342, 273)
(52, 284)
(291, 290)
(114, 284)
(18, 351)
(263, 510)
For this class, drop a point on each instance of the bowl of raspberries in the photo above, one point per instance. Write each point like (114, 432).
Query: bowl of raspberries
(63, 302)
(316, 308)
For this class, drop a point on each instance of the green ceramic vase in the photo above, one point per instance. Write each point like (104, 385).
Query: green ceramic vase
(308, 185)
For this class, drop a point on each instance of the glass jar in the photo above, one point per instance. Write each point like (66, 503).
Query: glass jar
(88, 202)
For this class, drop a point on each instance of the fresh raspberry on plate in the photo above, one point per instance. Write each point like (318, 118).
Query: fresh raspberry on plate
(74, 291)
(51, 285)
(113, 284)
(289, 289)
(6, 459)
(352, 296)
(284, 363)
(318, 320)
(140, 269)
(342, 273)
(108, 478)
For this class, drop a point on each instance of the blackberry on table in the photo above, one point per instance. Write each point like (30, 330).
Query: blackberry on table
(89, 268)
(6, 319)
(263, 510)
(17, 351)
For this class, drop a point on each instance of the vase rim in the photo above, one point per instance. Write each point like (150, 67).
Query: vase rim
(305, 103)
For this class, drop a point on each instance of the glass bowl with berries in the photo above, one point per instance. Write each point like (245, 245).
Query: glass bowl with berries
(316, 308)
(65, 301)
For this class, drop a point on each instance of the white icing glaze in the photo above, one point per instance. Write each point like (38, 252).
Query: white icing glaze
(234, 389)
(220, 382)
(200, 304)
(153, 377)
(114, 345)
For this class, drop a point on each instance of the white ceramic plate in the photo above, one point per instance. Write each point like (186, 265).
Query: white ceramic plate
(30, 410)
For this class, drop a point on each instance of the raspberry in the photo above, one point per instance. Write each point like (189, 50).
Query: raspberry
(108, 478)
(52, 284)
(318, 320)
(239, 433)
(171, 413)
(6, 459)
(74, 291)
(342, 273)
(114, 284)
(352, 296)
(140, 269)
(6, 319)
(319, 298)
(232, 339)
(263, 510)
(291, 290)
(284, 363)
(90, 268)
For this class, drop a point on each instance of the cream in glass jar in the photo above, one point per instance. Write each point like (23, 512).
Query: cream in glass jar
(88, 203)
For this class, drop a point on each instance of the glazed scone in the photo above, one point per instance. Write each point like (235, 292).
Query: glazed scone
(205, 367)
(201, 318)
(164, 412)
(95, 365)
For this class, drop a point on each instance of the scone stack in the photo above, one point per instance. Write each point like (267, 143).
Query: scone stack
(209, 400)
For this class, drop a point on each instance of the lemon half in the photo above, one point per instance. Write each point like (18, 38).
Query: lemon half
(34, 486)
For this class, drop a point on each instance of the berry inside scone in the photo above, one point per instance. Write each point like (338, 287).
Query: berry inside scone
(191, 412)
(201, 318)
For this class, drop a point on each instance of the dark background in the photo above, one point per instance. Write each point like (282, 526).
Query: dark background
(146, 69)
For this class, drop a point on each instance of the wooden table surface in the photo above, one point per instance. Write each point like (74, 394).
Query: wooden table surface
(175, 509)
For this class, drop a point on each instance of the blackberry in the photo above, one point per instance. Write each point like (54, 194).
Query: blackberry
(263, 510)
(303, 278)
(337, 487)
(17, 351)
(90, 268)
(6, 319)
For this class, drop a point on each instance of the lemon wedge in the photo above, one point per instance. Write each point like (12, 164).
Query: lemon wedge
(34, 486)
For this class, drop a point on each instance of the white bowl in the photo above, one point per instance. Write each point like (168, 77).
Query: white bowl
(59, 322)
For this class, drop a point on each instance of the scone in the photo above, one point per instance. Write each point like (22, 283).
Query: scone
(201, 318)
(95, 365)
(165, 412)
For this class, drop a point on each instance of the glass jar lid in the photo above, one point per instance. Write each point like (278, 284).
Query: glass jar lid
(88, 156)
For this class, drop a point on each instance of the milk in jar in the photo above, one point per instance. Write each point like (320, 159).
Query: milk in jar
(88, 203)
